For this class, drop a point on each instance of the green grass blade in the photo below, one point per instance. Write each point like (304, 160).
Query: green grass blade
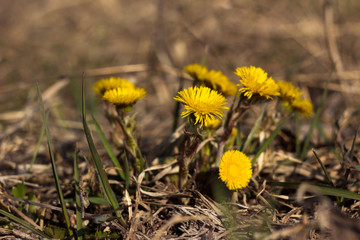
(314, 122)
(323, 168)
(353, 144)
(253, 130)
(176, 113)
(53, 165)
(108, 148)
(104, 182)
(238, 140)
(330, 191)
(79, 227)
(23, 223)
(297, 134)
(271, 138)
(37, 146)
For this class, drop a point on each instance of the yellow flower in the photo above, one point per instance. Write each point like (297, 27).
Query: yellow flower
(196, 71)
(288, 92)
(302, 106)
(213, 124)
(105, 84)
(254, 81)
(291, 96)
(213, 79)
(233, 132)
(203, 102)
(235, 169)
(124, 96)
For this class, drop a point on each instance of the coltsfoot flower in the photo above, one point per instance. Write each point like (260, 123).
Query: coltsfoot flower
(213, 79)
(196, 71)
(304, 107)
(235, 169)
(213, 124)
(291, 97)
(255, 81)
(202, 102)
(106, 84)
(288, 92)
(124, 96)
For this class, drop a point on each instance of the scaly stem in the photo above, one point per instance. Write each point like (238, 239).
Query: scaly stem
(187, 157)
(128, 127)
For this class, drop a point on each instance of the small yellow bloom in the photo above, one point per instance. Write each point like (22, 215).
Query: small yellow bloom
(288, 92)
(235, 169)
(213, 124)
(203, 102)
(304, 107)
(255, 81)
(291, 96)
(196, 71)
(124, 96)
(213, 79)
(105, 84)
(234, 132)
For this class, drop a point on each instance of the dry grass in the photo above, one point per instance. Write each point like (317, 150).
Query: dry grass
(149, 42)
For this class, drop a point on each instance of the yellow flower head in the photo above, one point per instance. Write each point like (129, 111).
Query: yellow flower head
(124, 96)
(213, 124)
(288, 92)
(291, 96)
(203, 102)
(235, 169)
(196, 71)
(304, 107)
(213, 79)
(254, 81)
(105, 84)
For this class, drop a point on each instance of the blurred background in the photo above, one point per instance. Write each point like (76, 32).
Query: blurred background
(149, 42)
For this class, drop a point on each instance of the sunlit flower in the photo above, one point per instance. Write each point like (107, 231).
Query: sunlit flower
(234, 132)
(255, 81)
(202, 102)
(213, 79)
(235, 169)
(288, 92)
(105, 84)
(213, 124)
(124, 96)
(197, 71)
(304, 107)
(292, 100)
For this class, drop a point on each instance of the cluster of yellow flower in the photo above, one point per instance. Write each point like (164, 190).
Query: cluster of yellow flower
(206, 100)
(119, 91)
(203, 103)
(254, 83)
(213, 79)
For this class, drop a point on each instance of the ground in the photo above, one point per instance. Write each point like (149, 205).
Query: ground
(313, 44)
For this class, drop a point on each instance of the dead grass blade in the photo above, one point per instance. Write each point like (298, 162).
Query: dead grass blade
(79, 205)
